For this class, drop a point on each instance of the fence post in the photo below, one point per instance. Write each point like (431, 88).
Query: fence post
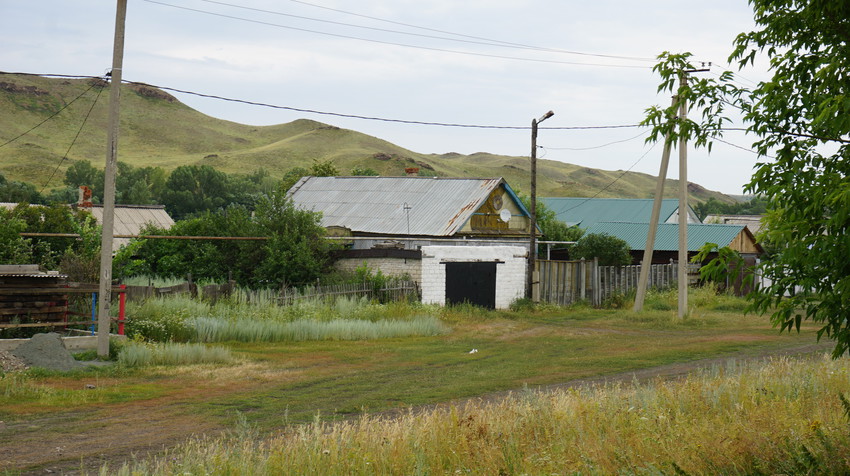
(122, 302)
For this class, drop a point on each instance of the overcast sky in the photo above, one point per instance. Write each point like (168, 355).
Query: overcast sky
(476, 62)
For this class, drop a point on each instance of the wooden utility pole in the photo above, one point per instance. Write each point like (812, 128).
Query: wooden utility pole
(532, 247)
(683, 201)
(649, 248)
(105, 290)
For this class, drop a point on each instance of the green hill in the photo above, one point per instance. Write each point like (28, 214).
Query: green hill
(158, 130)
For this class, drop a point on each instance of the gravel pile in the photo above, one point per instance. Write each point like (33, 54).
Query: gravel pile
(46, 351)
(10, 363)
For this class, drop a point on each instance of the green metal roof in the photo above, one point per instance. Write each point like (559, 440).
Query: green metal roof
(667, 236)
(585, 212)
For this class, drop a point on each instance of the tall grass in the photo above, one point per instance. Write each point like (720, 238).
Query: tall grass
(784, 416)
(221, 330)
(136, 354)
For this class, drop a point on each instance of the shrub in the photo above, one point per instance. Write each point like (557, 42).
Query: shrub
(610, 250)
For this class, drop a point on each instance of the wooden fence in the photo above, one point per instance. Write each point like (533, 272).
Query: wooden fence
(568, 282)
(392, 291)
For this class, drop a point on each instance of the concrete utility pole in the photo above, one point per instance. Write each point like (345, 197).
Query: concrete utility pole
(683, 202)
(649, 249)
(105, 291)
(532, 247)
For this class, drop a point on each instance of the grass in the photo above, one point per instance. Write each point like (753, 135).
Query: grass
(243, 330)
(143, 354)
(783, 416)
(274, 384)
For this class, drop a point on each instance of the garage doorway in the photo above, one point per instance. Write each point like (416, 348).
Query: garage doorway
(472, 282)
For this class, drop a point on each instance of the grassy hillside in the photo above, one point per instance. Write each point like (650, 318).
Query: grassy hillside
(158, 130)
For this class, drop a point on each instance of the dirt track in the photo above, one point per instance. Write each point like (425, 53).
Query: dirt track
(65, 443)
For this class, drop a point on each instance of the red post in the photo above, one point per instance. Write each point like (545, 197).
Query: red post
(122, 301)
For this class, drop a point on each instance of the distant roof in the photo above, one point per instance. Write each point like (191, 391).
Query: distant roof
(437, 206)
(667, 236)
(585, 212)
(753, 222)
(129, 219)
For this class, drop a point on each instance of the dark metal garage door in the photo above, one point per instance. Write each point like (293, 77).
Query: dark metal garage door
(471, 282)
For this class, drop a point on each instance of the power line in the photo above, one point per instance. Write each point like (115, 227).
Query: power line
(428, 48)
(476, 39)
(55, 113)
(596, 146)
(74, 141)
(610, 184)
(372, 118)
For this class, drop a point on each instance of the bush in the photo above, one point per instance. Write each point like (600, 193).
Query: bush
(610, 250)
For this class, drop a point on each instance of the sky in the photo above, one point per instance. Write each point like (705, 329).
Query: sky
(471, 62)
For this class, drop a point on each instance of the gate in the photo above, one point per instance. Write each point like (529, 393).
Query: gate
(472, 282)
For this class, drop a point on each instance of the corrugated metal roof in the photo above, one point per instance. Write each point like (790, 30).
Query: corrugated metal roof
(437, 206)
(667, 236)
(585, 212)
(130, 219)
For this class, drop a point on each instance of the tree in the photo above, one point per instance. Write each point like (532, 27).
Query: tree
(18, 192)
(801, 116)
(610, 250)
(193, 188)
(801, 119)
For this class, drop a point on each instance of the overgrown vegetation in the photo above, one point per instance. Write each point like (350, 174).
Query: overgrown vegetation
(782, 416)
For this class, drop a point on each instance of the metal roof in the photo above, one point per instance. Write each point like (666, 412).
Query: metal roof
(130, 219)
(437, 206)
(585, 212)
(667, 236)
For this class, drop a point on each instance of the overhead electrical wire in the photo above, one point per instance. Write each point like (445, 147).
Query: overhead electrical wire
(610, 184)
(420, 47)
(55, 113)
(470, 38)
(597, 146)
(372, 118)
(74, 141)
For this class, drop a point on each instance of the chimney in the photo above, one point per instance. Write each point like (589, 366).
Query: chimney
(84, 199)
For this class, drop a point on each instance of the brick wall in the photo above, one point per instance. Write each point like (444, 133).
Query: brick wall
(510, 272)
(387, 266)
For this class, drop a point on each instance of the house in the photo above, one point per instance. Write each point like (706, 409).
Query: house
(129, 219)
(585, 212)
(736, 237)
(454, 236)
(753, 222)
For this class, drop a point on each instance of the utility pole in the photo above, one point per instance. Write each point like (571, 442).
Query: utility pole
(681, 102)
(649, 249)
(532, 247)
(103, 318)
(683, 201)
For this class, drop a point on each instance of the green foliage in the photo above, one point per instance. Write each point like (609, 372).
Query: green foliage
(552, 228)
(725, 266)
(162, 319)
(712, 206)
(13, 191)
(801, 116)
(610, 250)
(294, 253)
(364, 172)
(323, 168)
(14, 249)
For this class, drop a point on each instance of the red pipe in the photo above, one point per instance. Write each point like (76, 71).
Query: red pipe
(122, 300)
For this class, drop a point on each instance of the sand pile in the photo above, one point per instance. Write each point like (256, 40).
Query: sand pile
(45, 351)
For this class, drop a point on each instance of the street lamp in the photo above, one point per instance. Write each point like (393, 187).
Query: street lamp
(532, 249)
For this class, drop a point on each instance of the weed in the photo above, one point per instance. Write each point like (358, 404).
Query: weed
(142, 354)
